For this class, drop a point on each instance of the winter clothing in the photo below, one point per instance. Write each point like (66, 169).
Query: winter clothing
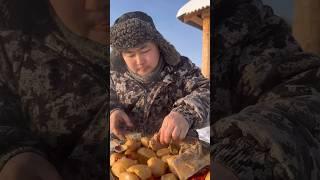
(265, 96)
(53, 100)
(179, 87)
(135, 28)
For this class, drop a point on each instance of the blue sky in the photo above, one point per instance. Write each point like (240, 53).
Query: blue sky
(186, 39)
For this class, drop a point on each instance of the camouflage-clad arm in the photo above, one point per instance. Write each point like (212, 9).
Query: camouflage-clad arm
(278, 137)
(114, 100)
(14, 135)
(272, 88)
(194, 106)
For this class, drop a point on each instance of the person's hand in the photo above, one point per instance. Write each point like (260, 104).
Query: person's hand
(29, 166)
(119, 118)
(174, 127)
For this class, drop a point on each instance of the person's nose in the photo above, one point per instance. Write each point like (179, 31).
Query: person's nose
(140, 60)
(96, 5)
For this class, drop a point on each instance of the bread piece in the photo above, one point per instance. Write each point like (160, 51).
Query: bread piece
(208, 176)
(165, 158)
(114, 157)
(122, 165)
(144, 154)
(189, 161)
(157, 166)
(145, 141)
(141, 170)
(163, 152)
(132, 144)
(128, 176)
(169, 176)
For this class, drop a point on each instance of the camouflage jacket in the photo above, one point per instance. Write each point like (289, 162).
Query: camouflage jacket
(265, 119)
(52, 103)
(181, 88)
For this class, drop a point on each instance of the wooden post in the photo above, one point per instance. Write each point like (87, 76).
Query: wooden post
(306, 24)
(205, 66)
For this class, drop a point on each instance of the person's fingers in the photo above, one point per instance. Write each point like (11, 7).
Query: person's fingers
(127, 120)
(119, 134)
(161, 133)
(184, 132)
(168, 134)
(163, 129)
(176, 134)
(114, 128)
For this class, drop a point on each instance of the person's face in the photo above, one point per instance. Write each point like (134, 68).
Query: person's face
(87, 18)
(143, 59)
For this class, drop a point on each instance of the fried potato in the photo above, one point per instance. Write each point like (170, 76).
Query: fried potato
(141, 170)
(169, 176)
(132, 144)
(208, 176)
(114, 157)
(157, 166)
(144, 154)
(163, 152)
(145, 141)
(128, 176)
(131, 155)
(122, 165)
(165, 158)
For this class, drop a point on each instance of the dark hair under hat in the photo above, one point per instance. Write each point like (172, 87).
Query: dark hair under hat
(135, 28)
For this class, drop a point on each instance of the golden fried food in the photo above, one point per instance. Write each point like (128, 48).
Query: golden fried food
(144, 154)
(114, 157)
(132, 144)
(141, 170)
(145, 141)
(157, 166)
(122, 165)
(155, 144)
(128, 176)
(163, 152)
(169, 176)
(131, 154)
(208, 176)
(165, 158)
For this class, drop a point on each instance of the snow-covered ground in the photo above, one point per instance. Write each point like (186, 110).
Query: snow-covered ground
(204, 134)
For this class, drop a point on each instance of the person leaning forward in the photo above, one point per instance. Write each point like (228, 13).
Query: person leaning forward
(153, 89)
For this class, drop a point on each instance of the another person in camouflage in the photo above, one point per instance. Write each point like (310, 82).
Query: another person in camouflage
(53, 69)
(152, 87)
(265, 120)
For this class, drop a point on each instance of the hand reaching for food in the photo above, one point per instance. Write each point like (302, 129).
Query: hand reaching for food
(174, 128)
(118, 118)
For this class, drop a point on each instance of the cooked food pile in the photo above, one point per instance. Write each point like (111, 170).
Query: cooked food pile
(146, 158)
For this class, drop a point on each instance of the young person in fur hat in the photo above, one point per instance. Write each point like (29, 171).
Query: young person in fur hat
(152, 87)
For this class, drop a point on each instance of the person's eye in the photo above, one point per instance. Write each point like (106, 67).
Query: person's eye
(145, 50)
(130, 55)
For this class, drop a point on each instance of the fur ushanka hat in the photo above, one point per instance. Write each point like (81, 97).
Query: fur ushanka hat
(135, 28)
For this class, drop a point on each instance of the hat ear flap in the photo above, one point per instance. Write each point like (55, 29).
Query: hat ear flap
(117, 63)
(168, 51)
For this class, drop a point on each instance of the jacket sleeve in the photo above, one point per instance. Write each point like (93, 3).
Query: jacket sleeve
(275, 134)
(114, 99)
(195, 105)
(15, 137)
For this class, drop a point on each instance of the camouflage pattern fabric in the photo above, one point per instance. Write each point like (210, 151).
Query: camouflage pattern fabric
(180, 88)
(53, 102)
(265, 119)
